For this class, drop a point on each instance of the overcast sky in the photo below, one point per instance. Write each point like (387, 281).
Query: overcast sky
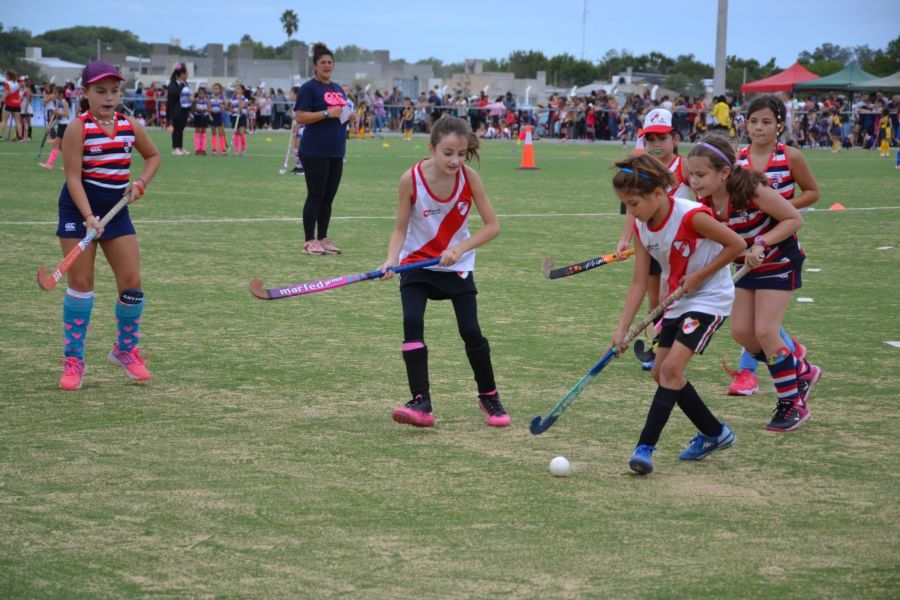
(458, 29)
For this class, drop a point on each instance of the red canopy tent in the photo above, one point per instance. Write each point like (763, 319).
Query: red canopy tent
(782, 82)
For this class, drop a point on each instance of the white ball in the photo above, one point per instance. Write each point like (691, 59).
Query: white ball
(560, 467)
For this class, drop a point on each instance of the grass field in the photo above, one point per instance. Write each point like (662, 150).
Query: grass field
(262, 460)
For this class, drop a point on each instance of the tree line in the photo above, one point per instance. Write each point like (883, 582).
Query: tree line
(683, 73)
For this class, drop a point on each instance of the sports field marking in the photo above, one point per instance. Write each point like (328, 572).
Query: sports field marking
(805, 299)
(893, 343)
(380, 218)
(884, 247)
(813, 270)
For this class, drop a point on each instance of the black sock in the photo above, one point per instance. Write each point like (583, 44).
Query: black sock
(696, 410)
(417, 370)
(759, 356)
(663, 402)
(480, 359)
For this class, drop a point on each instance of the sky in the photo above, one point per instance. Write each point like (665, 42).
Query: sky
(460, 29)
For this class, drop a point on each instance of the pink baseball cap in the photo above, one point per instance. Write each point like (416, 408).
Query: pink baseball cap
(100, 69)
(658, 120)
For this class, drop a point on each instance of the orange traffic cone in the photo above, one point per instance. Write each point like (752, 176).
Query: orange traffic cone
(639, 142)
(837, 206)
(528, 153)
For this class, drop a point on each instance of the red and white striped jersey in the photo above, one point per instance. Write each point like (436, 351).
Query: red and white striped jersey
(681, 251)
(436, 224)
(106, 158)
(777, 170)
(682, 189)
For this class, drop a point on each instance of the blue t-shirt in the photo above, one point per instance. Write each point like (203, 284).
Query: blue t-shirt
(326, 138)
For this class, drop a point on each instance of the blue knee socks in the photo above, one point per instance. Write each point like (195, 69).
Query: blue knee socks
(128, 318)
(77, 308)
(748, 363)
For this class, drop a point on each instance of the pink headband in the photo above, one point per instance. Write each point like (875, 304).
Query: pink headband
(727, 160)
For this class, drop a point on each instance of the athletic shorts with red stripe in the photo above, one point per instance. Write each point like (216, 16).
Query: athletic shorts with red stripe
(71, 221)
(693, 329)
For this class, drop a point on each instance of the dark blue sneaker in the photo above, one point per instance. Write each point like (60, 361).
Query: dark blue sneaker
(641, 462)
(702, 445)
(647, 366)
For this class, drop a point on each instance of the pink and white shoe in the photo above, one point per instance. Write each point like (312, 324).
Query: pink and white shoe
(493, 410)
(416, 412)
(329, 247)
(131, 362)
(73, 370)
(313, 247)
(47, 166)
(743, 383)
(799, 350)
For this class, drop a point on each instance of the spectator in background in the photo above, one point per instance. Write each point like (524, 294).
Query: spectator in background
(176, 110)
(378, 110)
(722, 114)
(279, 109)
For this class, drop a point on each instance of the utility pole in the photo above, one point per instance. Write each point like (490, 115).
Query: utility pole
(98, 48)
(721, 49)
(584, 14)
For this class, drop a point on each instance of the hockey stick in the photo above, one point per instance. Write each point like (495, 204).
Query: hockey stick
(329, 283)
(47, 131)
(48, 282)
(287, 153)
(540, 425)
(643, 354)
(587, 265)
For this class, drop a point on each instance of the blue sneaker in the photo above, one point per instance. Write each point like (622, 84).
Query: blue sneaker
(702, 445)
(641, 462)
(648, 366)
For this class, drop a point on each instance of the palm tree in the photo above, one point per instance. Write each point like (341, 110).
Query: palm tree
(290, 22)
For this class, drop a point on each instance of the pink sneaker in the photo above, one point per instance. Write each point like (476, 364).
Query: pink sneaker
(799, 350)
(494, 412)
(73, 370)
(329, 247)
(131, 362)
(313, 247)
(416, 412)
(46, 166)
(743, 383)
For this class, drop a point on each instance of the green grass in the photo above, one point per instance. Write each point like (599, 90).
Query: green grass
(262, 460)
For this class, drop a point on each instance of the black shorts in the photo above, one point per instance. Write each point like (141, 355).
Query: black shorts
(442, 285)
(693, 329)
(12, 109)
(201, 121)
(60, 130)
(655, 267)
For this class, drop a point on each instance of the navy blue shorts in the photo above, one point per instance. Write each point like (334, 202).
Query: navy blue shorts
(201, 121)
(787, 277)
(216, 119)
(71, 222)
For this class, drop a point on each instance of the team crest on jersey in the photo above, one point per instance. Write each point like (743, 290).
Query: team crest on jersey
(462, 207)
(127, 144)
(689, 325)
(682, 248)
(776, 180)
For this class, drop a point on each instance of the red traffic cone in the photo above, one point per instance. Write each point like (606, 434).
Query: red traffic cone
(528, 153)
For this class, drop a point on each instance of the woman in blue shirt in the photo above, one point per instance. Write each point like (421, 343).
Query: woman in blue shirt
(320, 104)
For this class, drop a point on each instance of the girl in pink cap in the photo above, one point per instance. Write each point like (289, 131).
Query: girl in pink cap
(97, 148)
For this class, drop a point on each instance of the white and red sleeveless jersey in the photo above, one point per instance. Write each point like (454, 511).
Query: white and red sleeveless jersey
(106, 158)
(777, 170)
(680, 251)
(436, 224)
(682, 189)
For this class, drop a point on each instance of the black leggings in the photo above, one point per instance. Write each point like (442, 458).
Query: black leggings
(414, 299)
(323, 176)
(178, 124)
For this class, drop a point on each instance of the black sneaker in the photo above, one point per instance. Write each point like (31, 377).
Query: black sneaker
(788, 416)
(298, 171)
(493, 410)
(416, 412)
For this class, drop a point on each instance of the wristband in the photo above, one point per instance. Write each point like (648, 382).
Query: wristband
(139, 185)
(144, 183)
(761, 241)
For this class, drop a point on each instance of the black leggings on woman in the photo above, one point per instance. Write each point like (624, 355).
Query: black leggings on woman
(323, 176)
(178, 124)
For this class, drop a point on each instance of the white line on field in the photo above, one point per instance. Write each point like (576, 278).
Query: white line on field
(373, 218)
(884, 247)
(892, 343)
(802, 299)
